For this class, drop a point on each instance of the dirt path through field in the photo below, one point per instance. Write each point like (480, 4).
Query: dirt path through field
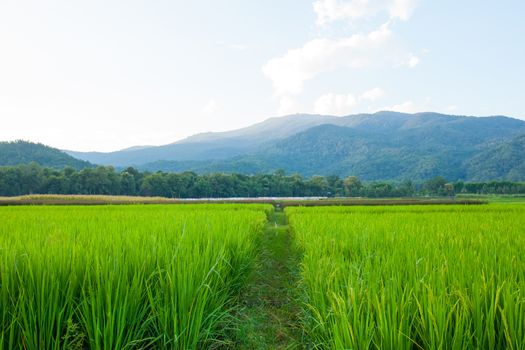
(269, 318)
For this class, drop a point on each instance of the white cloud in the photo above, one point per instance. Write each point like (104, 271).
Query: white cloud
(287, 105)
(289, 72)
(344, 104)
(412, 61)
(378, 48)
(211, 107)
(334, 10)
(238, 47)
(333, 104)
(372, 95)
(405, 107)
(425, 105)
(402, 9)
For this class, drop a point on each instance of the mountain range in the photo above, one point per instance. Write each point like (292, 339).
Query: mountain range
(23, 152)
(379, 146)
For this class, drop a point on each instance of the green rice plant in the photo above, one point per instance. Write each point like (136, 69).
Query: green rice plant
(123, 277)
(429, 277)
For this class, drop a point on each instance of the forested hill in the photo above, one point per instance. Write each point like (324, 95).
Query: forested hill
(374, 147)
(259, 139)
(414, 154)
(386, 146)
(504, 160)
(23, 152)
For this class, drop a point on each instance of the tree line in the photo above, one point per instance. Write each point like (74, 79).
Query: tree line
(106, 180)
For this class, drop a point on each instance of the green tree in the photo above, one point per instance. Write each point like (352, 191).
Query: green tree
(317, 186)
(435, 186)
(155, 185)
(352, 186)
(128, 184)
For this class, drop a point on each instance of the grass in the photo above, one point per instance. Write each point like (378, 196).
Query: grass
(109, 277)
(243, 276)
(495, 198)
(412, 277)
(51, 199)
(269, 316)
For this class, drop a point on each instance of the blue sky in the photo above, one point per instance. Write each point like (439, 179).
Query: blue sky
(104, 75)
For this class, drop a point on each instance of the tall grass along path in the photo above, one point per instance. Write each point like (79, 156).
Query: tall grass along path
(269, 317)
(243, 276)
(126, 277)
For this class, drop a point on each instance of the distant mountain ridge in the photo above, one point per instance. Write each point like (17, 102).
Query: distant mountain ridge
(249, 140)
(209, 146)
(379, 146)
(23, 152)
(335, 150)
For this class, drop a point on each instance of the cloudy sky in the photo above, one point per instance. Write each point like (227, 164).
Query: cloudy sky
(105, 75)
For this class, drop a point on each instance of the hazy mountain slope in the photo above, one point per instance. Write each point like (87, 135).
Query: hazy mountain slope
(22, 152)
(270, 129)
(207, 146)
(253, 139)
(465, 148)
(178, 151)
(387, 147)
(405, 154)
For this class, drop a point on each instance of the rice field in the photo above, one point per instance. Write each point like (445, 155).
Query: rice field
(123, 277)
(434, 277)
(173, 277)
